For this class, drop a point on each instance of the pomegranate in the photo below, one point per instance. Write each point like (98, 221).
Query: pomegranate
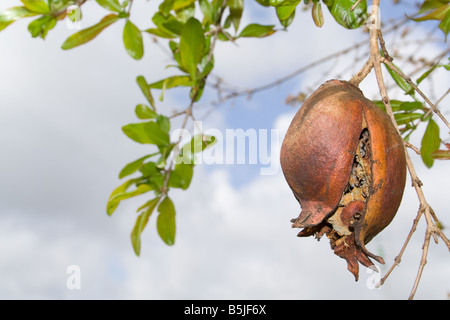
(345, 163)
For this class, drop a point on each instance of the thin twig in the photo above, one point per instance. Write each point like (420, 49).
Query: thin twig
(408, 79)
(442, 97)
(383, 46)
(398, 258)
(362, 74)
(411, 146)
(249, 92)
(432, 230)
(176, 114)
(130, 5)
(423, 262)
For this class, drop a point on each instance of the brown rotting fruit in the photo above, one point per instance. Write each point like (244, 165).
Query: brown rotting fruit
(345, 163)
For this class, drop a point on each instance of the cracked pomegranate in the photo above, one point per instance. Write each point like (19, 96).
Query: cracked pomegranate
(345, 163)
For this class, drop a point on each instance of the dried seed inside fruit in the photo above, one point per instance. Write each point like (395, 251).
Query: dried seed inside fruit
(345, 164)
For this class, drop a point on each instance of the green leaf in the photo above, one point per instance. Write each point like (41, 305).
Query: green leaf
(192, 43)
(394, 104)
(37, 6)
(12, 14)
(134, 166)
(168, 26)
(428, 5)
(207, 10)
(426, 73)
(181, 176)
(197, 91)
(166, 6)
(159, 18)
(437, 14)
(144, 112)
(123, 187)
(171, 82)
(149, 169)
(197, 144)
(284, 12)
(165, 152)
(90, 33)
(445, 24)
(73, 14)
(142, 83)
(317, 14)
(161, 33)
(174, 26)
(429, 71)
(206, 66)
(163, 122)
(287, 22)
(441, 154)
(175, 48)
(430, 143)
(236, 7)
(410, 106)
(406, 117)
(257, 31)
(216, 11)
(185, 13)
(402, 83)
(132, 39)
(279, 3)
(341, 11)
(180, 4)
(447, 66)
(147, 133)
(166, 221)
(120, 189)
(114, 201)
(111, 5)
(264, 3)
(41, 26)
(140, 224)
(398, 105)
(155, 177)
(440, 10)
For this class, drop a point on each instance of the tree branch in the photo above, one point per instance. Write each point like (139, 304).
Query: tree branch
(432, 230)
(408, 79)
(239, 92)
(362, 74)
(188, 114)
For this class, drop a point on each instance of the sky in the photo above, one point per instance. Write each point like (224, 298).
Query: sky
(62, 149)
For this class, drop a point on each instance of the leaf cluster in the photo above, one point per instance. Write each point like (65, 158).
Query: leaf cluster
(350, 14)
(154, 170)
